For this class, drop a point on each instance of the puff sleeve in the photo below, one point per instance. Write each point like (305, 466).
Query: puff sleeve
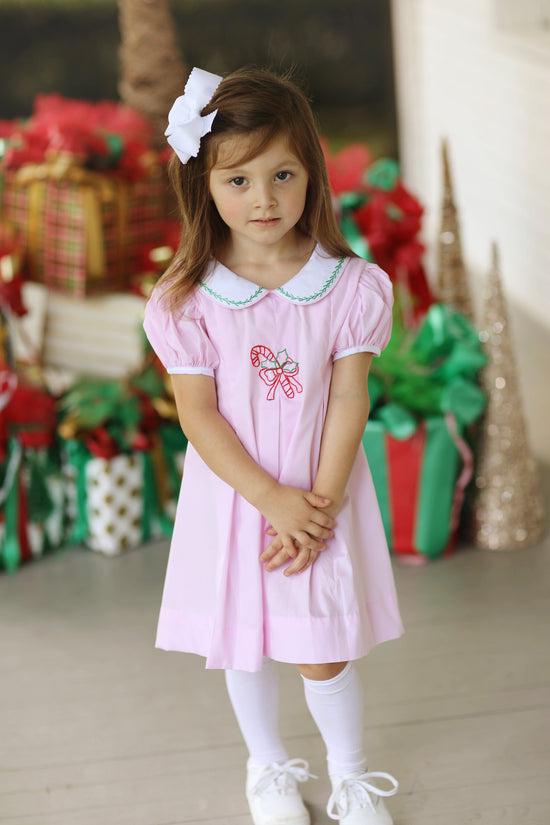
(179, 337)
(367, 325)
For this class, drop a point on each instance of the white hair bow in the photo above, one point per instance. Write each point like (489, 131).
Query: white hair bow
(186, 125)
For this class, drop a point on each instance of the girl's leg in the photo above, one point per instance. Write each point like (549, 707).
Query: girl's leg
(335, 700)
(255, 700)
(272, 779)
(336, 704)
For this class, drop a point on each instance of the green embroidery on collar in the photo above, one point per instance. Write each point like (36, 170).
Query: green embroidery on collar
(326, 286)
(303, 299)
(225, 300)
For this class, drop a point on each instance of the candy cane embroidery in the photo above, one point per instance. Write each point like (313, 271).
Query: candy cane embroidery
(276, 371)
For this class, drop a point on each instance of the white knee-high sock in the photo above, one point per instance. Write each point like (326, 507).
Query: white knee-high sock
(337, 709)
(255, 700)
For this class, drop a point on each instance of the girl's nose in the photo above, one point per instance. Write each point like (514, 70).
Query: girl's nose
(265, 196)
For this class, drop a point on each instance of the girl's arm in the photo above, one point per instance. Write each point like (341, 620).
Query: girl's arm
(293, 513)
(346, 418)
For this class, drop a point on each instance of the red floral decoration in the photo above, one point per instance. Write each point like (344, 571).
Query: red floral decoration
(381, 221)
(105, 136)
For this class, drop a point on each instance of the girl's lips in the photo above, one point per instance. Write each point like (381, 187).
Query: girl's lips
(266, 221)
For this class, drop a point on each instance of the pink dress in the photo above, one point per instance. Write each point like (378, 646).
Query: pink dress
(271, 354)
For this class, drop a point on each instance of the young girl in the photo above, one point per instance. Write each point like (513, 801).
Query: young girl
(267, 324)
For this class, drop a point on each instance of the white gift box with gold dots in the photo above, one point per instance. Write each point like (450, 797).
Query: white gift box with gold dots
(115, 502)
(118, 503)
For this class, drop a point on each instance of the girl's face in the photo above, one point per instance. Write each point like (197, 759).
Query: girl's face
(261, 200)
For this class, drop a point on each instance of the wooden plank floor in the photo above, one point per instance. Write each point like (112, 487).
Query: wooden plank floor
(98, 728)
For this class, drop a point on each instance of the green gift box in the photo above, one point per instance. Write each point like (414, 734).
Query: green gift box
(419, 483)
(32, 504)
(424, 394)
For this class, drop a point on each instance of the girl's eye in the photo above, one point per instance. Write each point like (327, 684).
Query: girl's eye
(283, 175)
(237, 182)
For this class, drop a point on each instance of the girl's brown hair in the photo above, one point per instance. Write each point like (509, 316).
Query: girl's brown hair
(261, 106)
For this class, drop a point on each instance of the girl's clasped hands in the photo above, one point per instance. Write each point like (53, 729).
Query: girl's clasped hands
(301, 522)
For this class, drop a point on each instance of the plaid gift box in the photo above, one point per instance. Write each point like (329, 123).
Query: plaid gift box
(83, 231)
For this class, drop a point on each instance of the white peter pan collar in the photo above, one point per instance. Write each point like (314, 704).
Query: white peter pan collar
(315, 280)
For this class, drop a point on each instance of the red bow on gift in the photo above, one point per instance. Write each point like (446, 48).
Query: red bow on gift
(30, 416)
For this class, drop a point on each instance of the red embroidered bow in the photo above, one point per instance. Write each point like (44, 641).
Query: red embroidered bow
(279, 370)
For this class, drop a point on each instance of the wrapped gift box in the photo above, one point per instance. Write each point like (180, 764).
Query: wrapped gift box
(84, 189)
(113, 514)
(419, 485)
(120, 446)
(117, 503)
(424, 395)
(101, 336)
(31, 485)
(32, 504)
(83, 232)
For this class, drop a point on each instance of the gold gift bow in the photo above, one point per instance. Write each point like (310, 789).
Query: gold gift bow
(95, 189)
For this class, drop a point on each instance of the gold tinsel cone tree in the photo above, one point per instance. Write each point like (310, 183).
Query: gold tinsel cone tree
(506, 504)
(452, 281)
(152, 73)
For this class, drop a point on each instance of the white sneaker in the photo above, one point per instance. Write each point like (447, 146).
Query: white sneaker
(356, 801)
(273, 795)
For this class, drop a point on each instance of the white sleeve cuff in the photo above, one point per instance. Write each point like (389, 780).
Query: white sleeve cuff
(352, 350)
(191, 371)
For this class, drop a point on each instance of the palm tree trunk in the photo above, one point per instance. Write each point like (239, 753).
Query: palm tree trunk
(151, 70)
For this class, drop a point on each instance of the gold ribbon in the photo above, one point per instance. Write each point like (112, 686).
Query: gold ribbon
(96, 190)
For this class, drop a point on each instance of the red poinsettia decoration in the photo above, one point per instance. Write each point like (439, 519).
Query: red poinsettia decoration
(381, 219)
(104, 136)
(346, 168)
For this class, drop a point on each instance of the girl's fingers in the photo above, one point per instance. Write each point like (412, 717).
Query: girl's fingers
(280, 558)
(270, 551)
(323, 519)
(317, 500)
(319, 532)
(309, 542)
(304, 560)
(279, 551)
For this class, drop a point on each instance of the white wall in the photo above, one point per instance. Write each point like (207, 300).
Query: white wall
(478, 73)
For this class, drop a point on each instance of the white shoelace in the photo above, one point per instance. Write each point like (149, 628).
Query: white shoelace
(355, 792)
(282, 777)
